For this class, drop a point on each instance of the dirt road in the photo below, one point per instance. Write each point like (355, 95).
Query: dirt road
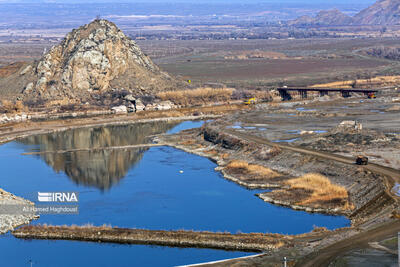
(324, 256)
(392, 175)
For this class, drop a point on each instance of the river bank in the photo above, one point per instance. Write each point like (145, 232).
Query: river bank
(12, 131)
(223, 148)
(9, 204)
(254, 242)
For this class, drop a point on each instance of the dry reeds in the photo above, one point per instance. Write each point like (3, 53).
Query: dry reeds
(322, 189)
(197, 96)
(12, 107)
(380, 80)
(251, 169)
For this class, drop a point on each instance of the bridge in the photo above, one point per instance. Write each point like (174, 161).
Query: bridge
(303, 91)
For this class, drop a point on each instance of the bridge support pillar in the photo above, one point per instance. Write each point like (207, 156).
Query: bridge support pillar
(323, 93)
(303, 94)
(346, 94)
(285, 95)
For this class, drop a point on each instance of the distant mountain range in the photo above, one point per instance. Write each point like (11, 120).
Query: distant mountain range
(383, 12)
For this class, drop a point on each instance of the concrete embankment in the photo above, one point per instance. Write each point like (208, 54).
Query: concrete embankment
(255, 242)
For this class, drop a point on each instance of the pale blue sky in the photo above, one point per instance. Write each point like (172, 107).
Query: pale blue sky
(193, 1)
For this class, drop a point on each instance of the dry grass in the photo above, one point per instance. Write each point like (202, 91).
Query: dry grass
(255, 54)
(239, 166)
(380, 80)
(8, 106)
(211, 152)
(224, 155)
(188, 142)
(197, 96)
(322, 189)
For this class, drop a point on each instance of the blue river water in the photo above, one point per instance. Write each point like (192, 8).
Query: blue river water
(156, 188)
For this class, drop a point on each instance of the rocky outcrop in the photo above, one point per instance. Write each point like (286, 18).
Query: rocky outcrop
(95, 58)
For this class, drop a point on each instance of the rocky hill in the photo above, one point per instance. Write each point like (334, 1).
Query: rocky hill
(383, 12)
(93, 59)
(324, 18)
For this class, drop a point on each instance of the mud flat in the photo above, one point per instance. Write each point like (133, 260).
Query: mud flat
(9, 221)
(255, 242)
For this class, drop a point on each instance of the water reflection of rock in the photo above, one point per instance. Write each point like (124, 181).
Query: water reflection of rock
(101, 168)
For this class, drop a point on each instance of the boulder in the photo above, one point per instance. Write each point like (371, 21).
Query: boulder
(351, 124)
(26, 70)
(139, 105)
(28, 88)
(348, 123)
(119, 109)
(151, 106)
(3, 118)
(164, 105)
(130, 98)
(131, 108)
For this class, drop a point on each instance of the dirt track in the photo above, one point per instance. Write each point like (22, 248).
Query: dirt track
(392, 175)
(324, 256)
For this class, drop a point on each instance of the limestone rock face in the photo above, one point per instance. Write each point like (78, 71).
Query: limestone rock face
(94, 58)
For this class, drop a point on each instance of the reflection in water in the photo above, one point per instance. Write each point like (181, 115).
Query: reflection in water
(100, 168)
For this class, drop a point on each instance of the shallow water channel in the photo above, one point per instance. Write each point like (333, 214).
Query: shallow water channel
(150, 188)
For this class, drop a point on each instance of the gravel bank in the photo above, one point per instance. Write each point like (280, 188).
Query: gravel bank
(9, 221)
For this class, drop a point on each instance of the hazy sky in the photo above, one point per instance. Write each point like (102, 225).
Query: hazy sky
(192, 1)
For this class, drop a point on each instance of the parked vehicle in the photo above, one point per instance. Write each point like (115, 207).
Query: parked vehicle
(250, 101)
(361, 160)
